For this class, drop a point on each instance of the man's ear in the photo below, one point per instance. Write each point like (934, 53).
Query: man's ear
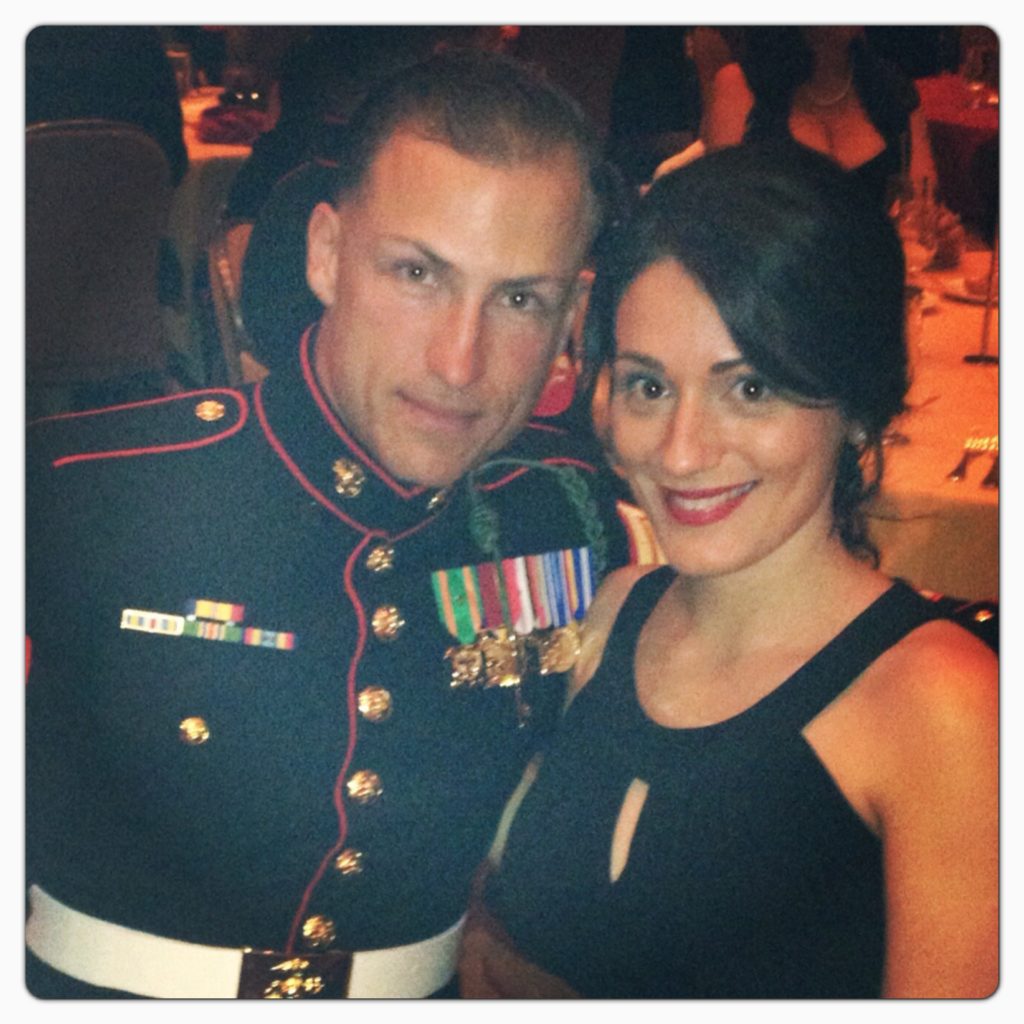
(322, 234)
(572, 328)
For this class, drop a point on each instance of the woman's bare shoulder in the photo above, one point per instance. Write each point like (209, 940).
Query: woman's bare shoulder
(600, 618)
(934, 691)
(939, 666)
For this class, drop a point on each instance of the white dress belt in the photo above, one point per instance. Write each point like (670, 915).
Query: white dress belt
(112, 956)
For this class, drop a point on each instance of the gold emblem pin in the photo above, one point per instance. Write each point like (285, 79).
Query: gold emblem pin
(348, 478)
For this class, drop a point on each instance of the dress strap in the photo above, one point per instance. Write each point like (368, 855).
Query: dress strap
(814, 686)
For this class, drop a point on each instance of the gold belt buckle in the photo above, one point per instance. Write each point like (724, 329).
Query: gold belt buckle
(269, 975)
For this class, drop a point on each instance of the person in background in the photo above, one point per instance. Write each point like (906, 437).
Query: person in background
(115, 72)
(823, 86)
(655, 102)
(291, 644)
(777, 775)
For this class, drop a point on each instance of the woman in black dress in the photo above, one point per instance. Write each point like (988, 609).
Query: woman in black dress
(777, 774)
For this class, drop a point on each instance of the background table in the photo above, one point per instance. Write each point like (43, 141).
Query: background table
(937, 534)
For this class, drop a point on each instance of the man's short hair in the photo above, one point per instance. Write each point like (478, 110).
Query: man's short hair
(481, 104)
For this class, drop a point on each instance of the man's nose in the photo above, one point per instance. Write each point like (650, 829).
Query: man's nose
(456, 348)
(693, 438)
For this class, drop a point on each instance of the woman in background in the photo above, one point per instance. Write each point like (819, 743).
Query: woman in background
(777, 775)
(824, 87)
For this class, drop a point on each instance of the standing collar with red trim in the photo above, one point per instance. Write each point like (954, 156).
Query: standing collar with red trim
(307, 435)
(310, 439)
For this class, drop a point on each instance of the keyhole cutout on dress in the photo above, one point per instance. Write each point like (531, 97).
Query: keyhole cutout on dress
(625, 827)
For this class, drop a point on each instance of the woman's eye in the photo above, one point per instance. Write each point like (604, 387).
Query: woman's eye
(640, 386)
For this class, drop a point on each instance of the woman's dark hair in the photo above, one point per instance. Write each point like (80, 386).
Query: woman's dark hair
(806, 273)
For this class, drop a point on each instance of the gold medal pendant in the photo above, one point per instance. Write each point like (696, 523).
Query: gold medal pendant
(558, 650)
(467, 664)
(504, 657)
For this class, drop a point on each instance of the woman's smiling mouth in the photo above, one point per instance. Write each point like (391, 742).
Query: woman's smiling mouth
(701, 507)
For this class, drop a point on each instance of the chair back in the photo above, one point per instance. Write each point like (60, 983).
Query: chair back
(97, 200)
(226, 306)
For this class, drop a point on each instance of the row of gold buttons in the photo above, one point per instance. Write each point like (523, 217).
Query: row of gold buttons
(374, 702)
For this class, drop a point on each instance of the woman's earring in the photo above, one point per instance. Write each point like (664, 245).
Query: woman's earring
(858, 437)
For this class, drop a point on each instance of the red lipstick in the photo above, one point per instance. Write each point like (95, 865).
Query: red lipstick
(704, 506)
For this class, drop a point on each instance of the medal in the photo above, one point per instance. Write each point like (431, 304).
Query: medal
(467, 662)
(558, 650)
(504, 657)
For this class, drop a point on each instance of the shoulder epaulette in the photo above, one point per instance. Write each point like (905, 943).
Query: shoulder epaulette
(194, 419)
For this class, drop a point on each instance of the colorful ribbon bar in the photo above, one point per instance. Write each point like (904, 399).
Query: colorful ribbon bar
(225, 630)
(219, 611)
(529, 592)
(161, 623)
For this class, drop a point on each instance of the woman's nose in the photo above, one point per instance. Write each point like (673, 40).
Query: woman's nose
(693, 438)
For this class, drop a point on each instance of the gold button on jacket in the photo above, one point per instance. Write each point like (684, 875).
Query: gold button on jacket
(364, 787)
(375, 704)
(387, 622)
(318, 931)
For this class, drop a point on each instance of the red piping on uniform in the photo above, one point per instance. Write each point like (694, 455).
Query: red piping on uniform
(508, 478)
(350, 696)
(335, 424)
(135, 405)
(261, 415)
(533, 425)
(395, 538)
(160, 449)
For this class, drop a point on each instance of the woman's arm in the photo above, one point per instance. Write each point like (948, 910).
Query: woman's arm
(939, 819)
(730, 100)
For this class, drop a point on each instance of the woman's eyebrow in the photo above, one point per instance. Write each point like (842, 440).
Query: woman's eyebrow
(637, 357)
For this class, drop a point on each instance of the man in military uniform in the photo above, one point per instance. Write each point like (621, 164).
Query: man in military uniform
(287, 641)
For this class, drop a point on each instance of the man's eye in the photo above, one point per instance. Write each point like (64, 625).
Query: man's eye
(526, 301)
(753, 389)
(410, 271)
